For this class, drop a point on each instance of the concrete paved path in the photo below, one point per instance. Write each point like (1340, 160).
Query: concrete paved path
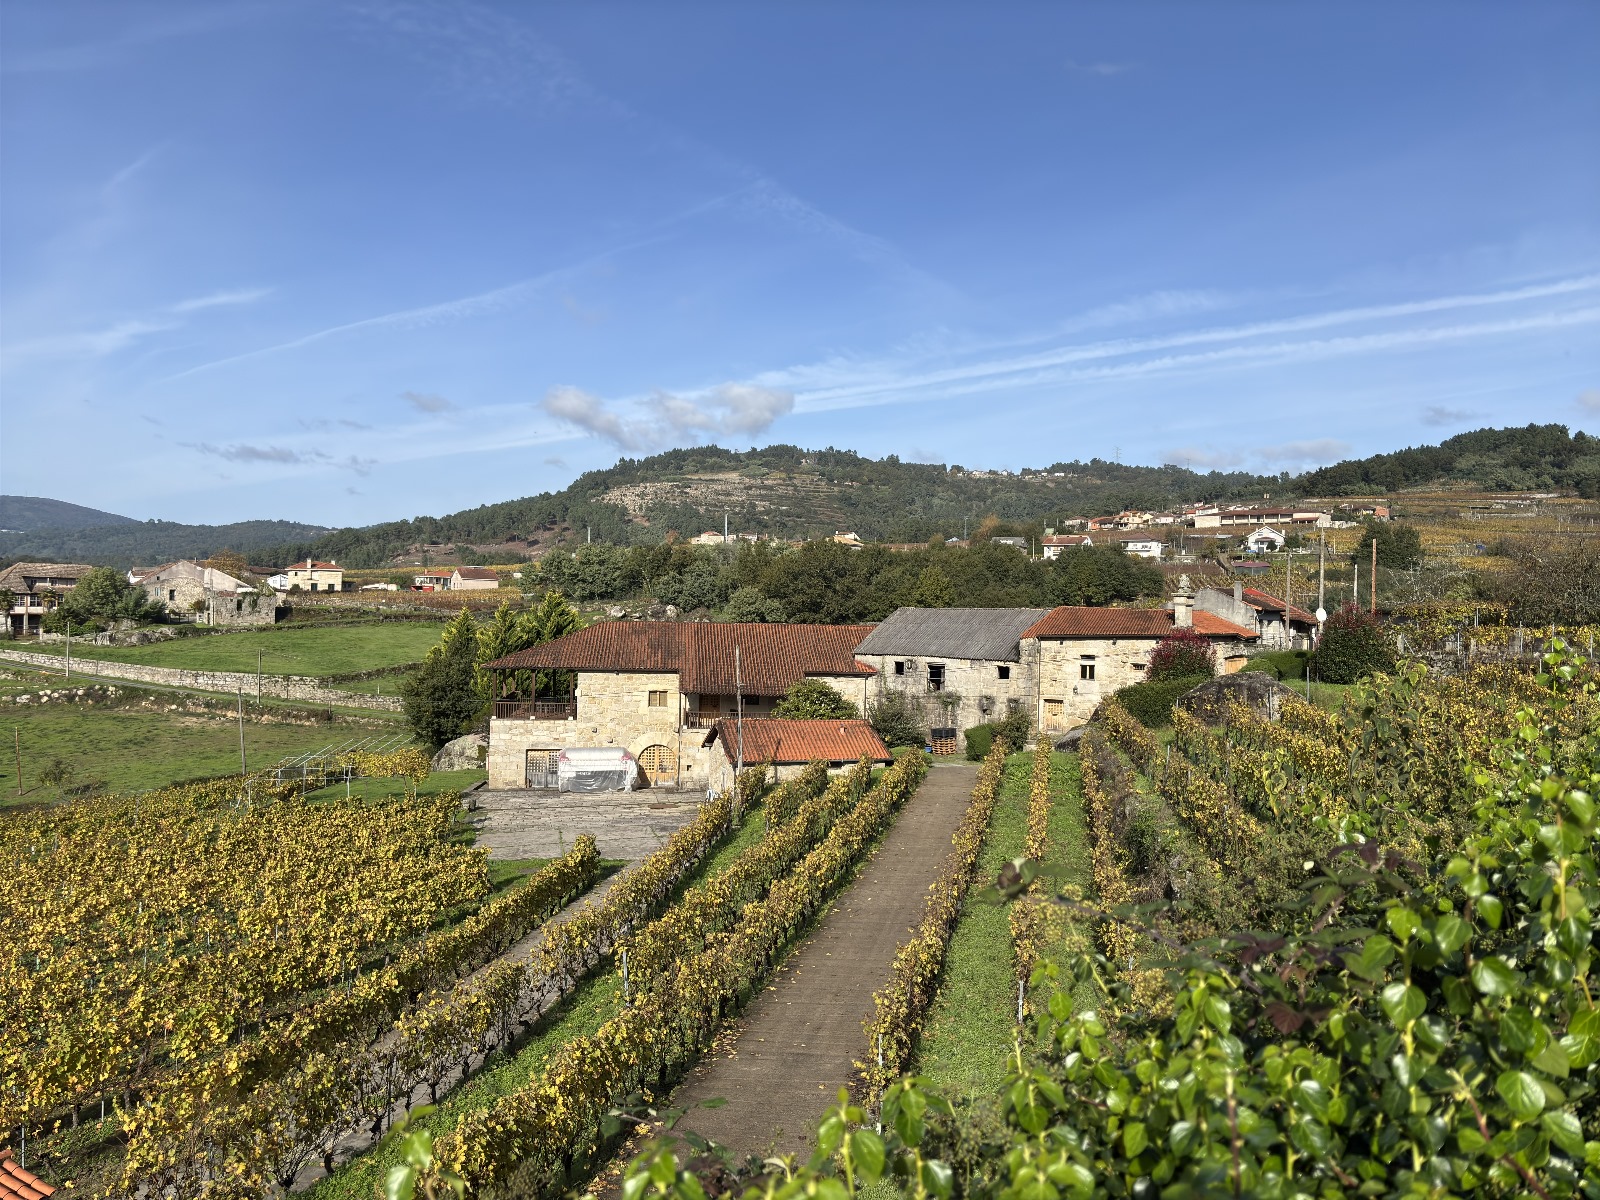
(783, 1063)
(626, 825)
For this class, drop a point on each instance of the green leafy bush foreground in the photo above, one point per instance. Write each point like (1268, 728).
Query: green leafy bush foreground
(1151, 702)
(1406, 1027)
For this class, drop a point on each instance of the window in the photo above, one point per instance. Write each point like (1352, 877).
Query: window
(899, 667)
(172, 593)
(936, 677)
(657, 699)
(1003, 672)
(1086, 669)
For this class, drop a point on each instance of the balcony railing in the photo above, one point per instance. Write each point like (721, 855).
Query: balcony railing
(535, 710)
(696, 720)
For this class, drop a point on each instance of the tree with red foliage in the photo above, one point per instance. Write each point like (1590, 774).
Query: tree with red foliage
(1183, 653)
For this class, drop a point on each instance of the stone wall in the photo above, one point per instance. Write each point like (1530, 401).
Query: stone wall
(613, 709)
(984, 695)
(306, 688)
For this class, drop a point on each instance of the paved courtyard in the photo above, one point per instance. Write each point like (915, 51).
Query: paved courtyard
(543, 824)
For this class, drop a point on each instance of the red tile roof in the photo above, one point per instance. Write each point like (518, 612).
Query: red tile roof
(17, 1184)
(1256, 598)
(772, 657)
(1070, 622)
(477, 573)
(308, 565)
(776, 740)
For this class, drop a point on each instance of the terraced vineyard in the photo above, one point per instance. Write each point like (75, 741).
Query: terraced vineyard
(1327, 953)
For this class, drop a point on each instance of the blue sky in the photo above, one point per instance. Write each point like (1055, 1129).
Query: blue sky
(345, 263)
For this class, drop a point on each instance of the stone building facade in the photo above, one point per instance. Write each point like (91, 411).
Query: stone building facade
(1085, 655)
(208, 596)
(960, 666)
(35, 589)
(655, 689)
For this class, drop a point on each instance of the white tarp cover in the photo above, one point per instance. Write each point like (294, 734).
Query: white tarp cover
(601, 769)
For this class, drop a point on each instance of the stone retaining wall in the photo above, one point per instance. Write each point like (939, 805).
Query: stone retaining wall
(279, 687)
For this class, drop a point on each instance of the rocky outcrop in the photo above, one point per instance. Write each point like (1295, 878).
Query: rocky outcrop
(465, 753)
(1209, 702)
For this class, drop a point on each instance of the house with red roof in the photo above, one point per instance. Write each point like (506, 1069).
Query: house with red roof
(313, 576)
(1080, 656)
(790, 745)
(19, 1183)
(1279, 626)
(655, 688)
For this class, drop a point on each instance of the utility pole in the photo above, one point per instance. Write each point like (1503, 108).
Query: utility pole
(69, 647)
(738, 724)
(1288, 586)
(724, 527)
(1372, 588)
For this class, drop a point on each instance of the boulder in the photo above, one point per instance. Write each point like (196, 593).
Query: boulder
(466, 753)
(1258, 690)
(1071, 741)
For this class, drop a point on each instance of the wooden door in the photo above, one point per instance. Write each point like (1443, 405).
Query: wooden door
(659, 764)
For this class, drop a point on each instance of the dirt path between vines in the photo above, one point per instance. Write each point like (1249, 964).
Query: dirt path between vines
(786, 1058)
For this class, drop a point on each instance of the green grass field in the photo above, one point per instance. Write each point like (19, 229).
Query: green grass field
(285, 651)
(133, 748)
(969, 1033)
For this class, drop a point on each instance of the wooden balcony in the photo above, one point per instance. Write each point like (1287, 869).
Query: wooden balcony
(535, 710)
(697, 720)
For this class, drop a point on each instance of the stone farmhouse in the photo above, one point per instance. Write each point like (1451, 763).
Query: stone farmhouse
(962, 666)
(312, 576)
(1263, 612)
(1084, 655)
(206, 595)
(655, 689)
(37, 588)
(790, 745)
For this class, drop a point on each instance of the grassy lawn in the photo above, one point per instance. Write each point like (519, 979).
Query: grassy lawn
(593, 1003)
(969, 1031)
(135, 749)
(284, 651)
(971, 1028)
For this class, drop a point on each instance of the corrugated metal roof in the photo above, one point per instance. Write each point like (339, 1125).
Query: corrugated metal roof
(700, 653)
(990, 634)
(778, 740)
(1070, 622)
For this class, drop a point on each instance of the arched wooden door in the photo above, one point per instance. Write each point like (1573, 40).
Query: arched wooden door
(659, 764)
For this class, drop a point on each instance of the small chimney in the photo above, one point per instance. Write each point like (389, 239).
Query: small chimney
(1183, 605)
(1238, 591)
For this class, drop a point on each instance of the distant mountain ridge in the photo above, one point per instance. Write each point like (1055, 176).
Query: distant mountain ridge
(785, 491)
(19, 513)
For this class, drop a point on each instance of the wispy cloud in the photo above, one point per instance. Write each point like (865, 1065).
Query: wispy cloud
(1438, 415)
(835, 384)
(427, 402)
(221, 300)
(1202, 458)
(1316, 452)
(282, 456)
(1098, 68)
(665, 419)
(555, 461)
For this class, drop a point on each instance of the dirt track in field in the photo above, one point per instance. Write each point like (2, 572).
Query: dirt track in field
(795, 1046)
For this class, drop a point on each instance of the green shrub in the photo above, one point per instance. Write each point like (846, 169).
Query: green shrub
(1016, 730)
(1353, 645)
(1280, 664)
(1151, 702)
(979, 740)
(897, 720)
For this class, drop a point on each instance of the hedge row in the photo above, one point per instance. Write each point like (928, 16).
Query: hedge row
(543, 1131)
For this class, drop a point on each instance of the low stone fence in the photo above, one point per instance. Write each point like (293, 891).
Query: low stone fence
(279, 687)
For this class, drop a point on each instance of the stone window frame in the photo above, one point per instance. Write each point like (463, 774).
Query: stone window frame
(655, 698)
(1003, 671)
(899, 666)
(1086, 666)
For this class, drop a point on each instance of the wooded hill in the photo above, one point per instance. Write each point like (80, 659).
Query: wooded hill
(788, 492)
